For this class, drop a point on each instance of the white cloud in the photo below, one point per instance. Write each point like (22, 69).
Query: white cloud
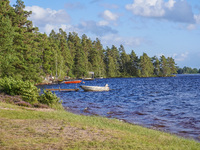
(197, 22)
(66, 27)
(177, 11)
(103, 23)
(180, 57)
(147, 8)
(108, 15)
(186, 59)
(41, 16)
(96, 28)
(170, 4)
(117, 40)
(197, 18)
(48, 28)
(191, 27)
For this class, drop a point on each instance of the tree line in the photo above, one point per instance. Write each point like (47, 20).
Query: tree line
(187, 70)
(27, 54)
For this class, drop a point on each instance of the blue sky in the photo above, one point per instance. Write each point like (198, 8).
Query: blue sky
(156, 27)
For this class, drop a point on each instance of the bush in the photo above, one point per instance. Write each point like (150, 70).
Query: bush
(26, 89)
(29, 93)
(50, 99)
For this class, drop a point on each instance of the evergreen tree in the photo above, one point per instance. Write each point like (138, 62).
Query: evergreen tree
(124, 62)
(146, 66)
(65, 52)
(32, 57)
(134, 63)
(7, 54)
(110, 64)
(114, 53)
(156, 64)
(27, 54)
(165, 69)
(57, 57)
(46, 54)
(20, 20)
(86, 45)
(79, 68)
(100, 65)
(172, 66)
(111, 67)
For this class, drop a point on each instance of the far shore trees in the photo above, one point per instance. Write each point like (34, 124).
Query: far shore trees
(27, 54)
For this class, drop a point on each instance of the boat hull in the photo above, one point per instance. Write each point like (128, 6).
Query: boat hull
(74, 81)
(95, 88)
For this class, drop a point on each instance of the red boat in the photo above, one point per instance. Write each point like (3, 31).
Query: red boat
(72, 81)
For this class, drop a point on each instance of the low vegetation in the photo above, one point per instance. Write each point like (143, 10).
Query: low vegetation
(25, 128)
(26, 94)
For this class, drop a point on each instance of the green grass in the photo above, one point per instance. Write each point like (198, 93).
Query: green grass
(23, 128)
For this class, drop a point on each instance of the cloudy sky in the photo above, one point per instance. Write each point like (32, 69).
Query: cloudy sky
(156, 27)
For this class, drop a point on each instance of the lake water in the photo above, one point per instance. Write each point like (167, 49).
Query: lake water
(167, 104)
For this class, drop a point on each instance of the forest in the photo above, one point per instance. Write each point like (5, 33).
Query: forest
(27, 54)
(187, 70)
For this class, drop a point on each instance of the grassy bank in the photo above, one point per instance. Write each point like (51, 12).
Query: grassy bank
(31, 128)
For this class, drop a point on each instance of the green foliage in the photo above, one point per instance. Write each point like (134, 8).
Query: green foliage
(187, 70)
(29, 55)
(49, 98)
(26, 89)
(146, 66)
(29, 93)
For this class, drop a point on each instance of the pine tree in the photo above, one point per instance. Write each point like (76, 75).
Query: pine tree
(146, 66)
(172, 66)
(46, 55)
(134, 64)
(110, 61)
(156, 64)
(7, 54)
(165, 69)
(79, 67)
(57, 58)
(100, 67)
(20, 20)
(116, 59)
(86, 46)
(64, 49)
(124, 62)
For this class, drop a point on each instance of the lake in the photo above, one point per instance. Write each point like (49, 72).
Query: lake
(170, 104)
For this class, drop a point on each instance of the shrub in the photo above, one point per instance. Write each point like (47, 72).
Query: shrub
(50, 99)
(26, 89)
(29, 93)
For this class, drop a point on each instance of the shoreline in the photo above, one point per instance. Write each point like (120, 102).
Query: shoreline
(30, 129)
(86, 113)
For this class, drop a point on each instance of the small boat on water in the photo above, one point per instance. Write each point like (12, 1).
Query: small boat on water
(72, 81)
(95, 88)
(88, 79)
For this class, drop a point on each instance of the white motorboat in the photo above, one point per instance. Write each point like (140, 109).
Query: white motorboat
(95, 88)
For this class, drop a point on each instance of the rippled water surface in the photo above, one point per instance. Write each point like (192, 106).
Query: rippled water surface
(168, 104)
